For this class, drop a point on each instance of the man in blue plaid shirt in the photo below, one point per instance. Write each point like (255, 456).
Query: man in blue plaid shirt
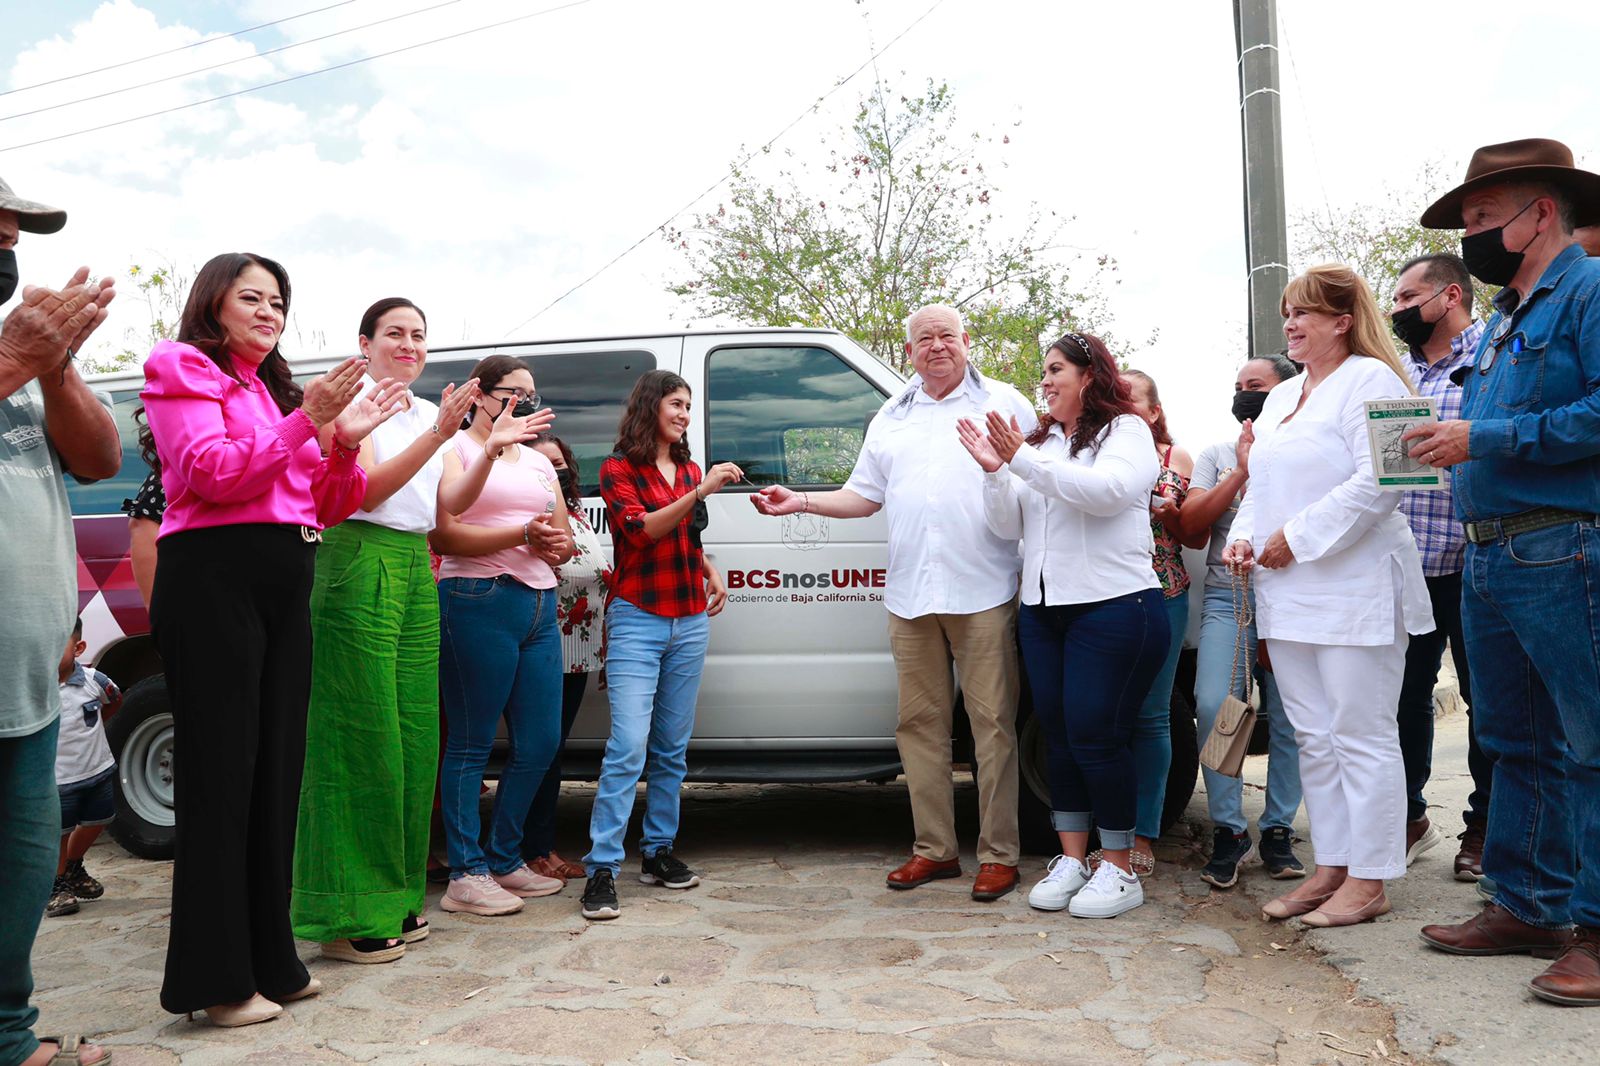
(1433, 317)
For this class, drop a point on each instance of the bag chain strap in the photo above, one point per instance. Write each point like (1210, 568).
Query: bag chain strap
(1244, 615)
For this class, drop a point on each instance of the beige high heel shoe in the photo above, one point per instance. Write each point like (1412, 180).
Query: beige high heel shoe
(312, 987)
(257, 1008)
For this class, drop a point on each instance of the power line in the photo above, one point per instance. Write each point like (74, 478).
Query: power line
(871, 60)
(230, 62)
(296, 77)
(179, 48)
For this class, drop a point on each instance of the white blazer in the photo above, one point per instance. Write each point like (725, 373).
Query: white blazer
(1356, 562)
(1084, 520)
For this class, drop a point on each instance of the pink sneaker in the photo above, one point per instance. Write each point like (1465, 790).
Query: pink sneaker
(527, 884)
(478, 894)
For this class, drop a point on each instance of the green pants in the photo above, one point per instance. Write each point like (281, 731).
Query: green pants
(372, 736)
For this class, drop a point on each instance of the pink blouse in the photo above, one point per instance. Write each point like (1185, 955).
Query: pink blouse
(230, 457)
(512, 494)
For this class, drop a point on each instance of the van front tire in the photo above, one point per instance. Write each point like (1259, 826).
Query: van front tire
(141, 738)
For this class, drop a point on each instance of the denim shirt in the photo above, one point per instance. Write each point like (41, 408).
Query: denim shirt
(1533, 398)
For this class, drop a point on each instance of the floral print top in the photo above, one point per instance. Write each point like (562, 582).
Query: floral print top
(583, 582)
(1168, 555)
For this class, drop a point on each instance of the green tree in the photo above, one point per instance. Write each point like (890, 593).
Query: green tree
(899, 212)
(1377, 238)
(163, 289)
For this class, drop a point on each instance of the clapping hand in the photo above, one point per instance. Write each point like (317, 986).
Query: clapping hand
(327, 396)
(1005, 435)
(43, 330)
(509, 429)
(1241, 450)
(454, 403)
(977, 445)
(366, 413)
(547, 540)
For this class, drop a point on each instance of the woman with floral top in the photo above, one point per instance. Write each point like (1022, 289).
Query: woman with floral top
(1152, 734)
(582, 584)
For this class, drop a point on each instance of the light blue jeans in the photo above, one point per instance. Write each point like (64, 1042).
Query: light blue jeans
(1225, 795)
(653, 667)
(1152, 733)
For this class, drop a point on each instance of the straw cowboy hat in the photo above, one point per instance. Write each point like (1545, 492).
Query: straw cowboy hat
(1536, 159)
(35, 218)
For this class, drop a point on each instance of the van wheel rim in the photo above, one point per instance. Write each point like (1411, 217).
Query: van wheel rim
(146, 769)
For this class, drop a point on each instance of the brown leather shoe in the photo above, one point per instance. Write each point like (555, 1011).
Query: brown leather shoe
(1574, 979)
(1496, 931)
(553, 865)
(1469, 860)
(993, 881)
(920, 871)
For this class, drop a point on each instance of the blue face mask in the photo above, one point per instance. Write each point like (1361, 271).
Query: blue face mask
(8, 274)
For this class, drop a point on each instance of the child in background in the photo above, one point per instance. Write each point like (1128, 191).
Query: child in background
(84, 772)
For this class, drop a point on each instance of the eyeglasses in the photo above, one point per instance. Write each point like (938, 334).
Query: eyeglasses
(516, 394)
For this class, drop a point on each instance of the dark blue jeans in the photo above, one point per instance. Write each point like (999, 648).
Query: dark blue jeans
(1531, 612)
(539, 834)
(1090, 666)
(499, 656)
(1424, 655)
(30, 840)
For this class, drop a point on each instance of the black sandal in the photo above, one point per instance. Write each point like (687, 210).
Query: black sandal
(364, 949)
(414, 928)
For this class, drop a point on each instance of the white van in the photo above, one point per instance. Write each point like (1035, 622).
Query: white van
(799, 684)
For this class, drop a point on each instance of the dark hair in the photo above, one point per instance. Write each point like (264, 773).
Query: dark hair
(566, 457)
(1443, 268)
(1105, 398)
(1282, 366)
(200, 327)
(369, 320)
(490, 371)
(636, 432)
(77, 626)
(1158, 429)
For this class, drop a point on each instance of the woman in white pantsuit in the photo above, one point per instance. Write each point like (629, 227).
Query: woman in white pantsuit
(1338, 588)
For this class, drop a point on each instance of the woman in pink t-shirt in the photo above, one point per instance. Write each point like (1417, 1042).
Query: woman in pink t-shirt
(248, 492)
(502, 528)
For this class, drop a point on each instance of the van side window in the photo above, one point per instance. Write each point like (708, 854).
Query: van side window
(105, 497)
(586, 390)
(787, 415)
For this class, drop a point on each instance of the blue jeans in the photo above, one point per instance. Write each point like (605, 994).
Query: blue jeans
(1424, 656)
(1090, 666)
(30, 841)
(1213, 667)
(653, 667)
(1530, 608)
(1152, 732)
(499, 656)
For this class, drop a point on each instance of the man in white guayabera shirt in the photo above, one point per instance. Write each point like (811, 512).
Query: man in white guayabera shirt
(951, 594)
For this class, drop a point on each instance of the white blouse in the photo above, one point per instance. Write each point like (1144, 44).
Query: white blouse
(1355, 562)
(413, 507)
(1084, 519)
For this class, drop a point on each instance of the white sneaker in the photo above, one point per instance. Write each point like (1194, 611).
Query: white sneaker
(524, 883)
(478, 894)
(1108, 893)
(1064, 877)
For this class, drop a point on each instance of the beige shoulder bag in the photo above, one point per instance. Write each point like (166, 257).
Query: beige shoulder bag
(1225, 748)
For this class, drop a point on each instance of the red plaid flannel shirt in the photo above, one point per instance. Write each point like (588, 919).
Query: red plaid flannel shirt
(664, 577)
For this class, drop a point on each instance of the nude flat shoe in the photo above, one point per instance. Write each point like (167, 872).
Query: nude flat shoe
(257, 1008)
(1284, 907)
(1321, 919)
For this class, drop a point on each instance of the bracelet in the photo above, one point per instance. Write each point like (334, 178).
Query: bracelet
(435, 430)
(341, 446)
(526, 541)
(805, 503)
(495, 455)
(697, 497)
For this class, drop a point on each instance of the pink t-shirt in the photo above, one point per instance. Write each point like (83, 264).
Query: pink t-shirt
(513, 493)
(230, 457)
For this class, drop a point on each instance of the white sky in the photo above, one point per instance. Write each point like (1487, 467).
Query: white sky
(485, 176)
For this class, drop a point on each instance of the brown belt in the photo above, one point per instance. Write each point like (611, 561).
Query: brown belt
(1487, 532)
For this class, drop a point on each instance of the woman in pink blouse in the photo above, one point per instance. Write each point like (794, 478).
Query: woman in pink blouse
(248, 493)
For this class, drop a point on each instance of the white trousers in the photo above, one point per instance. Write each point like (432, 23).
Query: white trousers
(1341, 701)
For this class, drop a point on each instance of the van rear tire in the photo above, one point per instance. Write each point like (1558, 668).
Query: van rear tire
(141, 737)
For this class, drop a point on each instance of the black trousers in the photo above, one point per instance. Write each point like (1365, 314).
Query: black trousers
(232, 618)
(1424, 655)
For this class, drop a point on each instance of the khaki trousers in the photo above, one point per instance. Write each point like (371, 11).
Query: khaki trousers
(983, 648)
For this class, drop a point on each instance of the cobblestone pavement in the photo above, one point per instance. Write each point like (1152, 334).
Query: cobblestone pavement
(791, 951)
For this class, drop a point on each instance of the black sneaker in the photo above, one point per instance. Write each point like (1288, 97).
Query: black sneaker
(82, 885)
(1277, 854)
(62, 901)
(664, 868)
(599, 901)
(1229, 851)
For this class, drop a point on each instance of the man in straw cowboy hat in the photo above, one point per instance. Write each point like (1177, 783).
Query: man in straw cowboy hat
(1527, 484)
(50, 424)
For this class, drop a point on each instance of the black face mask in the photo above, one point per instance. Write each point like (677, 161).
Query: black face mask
(1487, 257)
(8, 274)
(523, 409)
(1247, 405)
(568, 483)
(1410, 327)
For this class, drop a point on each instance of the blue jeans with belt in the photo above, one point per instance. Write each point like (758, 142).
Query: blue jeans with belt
(1531, 614)
(500, 656)
(1090, 666)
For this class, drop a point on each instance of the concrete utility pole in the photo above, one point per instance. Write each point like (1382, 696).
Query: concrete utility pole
(1266, 241)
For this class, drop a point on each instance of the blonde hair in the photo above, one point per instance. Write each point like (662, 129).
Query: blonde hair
(1335, 289)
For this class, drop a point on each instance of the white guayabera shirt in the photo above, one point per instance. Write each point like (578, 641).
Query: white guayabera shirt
(943, 558)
